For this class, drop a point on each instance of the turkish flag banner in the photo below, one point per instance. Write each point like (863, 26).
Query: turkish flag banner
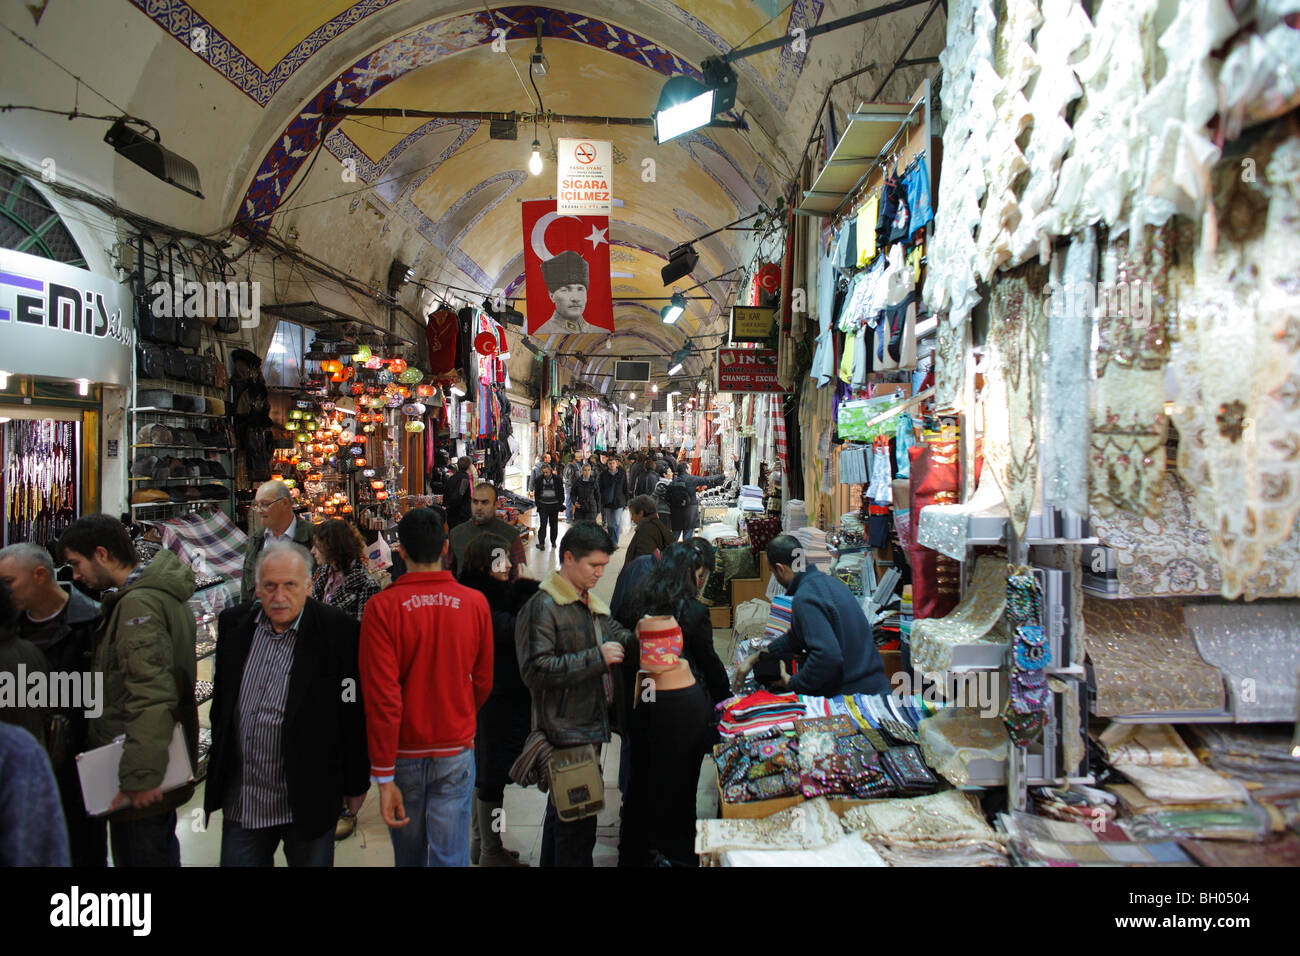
(566, 270)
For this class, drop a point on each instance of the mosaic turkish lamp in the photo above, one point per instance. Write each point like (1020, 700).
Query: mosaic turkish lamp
(396, 366)
(415, 425)
(410, 375)
(362, 355)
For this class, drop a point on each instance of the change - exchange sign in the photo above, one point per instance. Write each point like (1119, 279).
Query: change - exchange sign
(748, 370)
(584, 177)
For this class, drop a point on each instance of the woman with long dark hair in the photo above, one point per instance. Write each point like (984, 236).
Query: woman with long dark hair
(671, 723)
(506, 716)
(341, 578)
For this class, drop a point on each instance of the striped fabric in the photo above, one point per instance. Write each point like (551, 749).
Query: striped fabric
(778, 425)
(260, 791)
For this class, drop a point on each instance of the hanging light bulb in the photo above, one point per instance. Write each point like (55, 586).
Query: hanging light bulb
(535, 161)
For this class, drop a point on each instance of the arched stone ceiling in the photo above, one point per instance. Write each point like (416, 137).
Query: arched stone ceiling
(248, 106)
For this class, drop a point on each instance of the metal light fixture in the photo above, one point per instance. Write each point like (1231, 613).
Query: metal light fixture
(674, 309)
(83, 386)
(151, 156)
(679, 357)
(681, 262)
(4, 380)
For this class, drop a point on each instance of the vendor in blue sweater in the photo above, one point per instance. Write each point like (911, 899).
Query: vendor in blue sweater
(829, 633)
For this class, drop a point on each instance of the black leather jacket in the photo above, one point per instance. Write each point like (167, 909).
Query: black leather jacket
(560, 661)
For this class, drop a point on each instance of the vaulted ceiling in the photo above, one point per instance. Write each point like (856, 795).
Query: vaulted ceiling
(244, 89)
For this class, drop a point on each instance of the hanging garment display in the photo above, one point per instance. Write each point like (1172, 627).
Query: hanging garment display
(1239, 421)
(969, 83)
(1017, 64)
(1017, 333)
(1129, 424)
(1064, 453)
(41, 478)
(1064, 31)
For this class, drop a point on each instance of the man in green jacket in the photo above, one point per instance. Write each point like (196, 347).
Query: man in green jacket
(145, 650)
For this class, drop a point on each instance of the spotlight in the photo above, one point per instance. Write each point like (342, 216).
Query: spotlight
(686, 104)
(681, 262)
(674, 309)
(398, 275)
(83, 386)
(153, 158)
(4, 380)
(458, 391)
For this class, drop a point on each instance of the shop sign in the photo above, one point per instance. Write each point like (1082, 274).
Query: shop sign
(58, 321)
(752, 323)
(584, 170)
(747, 370)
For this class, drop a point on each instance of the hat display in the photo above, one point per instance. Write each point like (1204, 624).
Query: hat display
(568, 268)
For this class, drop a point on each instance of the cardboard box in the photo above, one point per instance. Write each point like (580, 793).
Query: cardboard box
(720, 616)
(746, 589)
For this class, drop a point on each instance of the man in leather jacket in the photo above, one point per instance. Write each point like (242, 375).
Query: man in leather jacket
(567, 642)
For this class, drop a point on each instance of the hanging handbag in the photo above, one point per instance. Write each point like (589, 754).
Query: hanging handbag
(151, 361)
(175, 364)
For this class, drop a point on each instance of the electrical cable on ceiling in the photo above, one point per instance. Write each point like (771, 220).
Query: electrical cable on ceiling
(80, 82)
(510, 59)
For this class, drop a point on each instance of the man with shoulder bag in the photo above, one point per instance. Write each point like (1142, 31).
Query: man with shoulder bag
(567, 642)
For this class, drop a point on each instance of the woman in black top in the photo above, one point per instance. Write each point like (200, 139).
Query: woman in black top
(671, 731)
(506, 716)
(586, 497)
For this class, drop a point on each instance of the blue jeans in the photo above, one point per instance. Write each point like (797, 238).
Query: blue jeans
(613, 521)
(437, 795)
(244, 847)
(148, 842)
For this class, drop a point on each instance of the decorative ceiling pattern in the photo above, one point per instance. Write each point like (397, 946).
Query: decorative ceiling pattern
(439, 193)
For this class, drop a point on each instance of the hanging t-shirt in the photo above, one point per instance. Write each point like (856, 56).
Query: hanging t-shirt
(440, 333)
(867, 214)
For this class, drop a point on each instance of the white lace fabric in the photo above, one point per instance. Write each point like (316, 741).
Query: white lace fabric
(1239, 421)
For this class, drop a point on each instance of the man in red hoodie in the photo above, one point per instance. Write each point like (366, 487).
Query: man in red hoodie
(426, 669)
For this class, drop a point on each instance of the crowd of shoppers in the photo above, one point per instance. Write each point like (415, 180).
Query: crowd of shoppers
(440, 688)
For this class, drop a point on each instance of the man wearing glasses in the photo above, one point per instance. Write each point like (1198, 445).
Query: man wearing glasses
(274, 509)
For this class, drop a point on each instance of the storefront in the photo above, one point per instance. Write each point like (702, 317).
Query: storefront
(66, 336)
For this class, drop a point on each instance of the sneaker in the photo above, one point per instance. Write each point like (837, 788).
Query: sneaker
(541, 545)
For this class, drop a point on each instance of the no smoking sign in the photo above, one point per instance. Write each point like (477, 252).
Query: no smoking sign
(583, 177)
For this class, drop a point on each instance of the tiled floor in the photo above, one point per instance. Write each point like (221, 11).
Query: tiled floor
(523, 808)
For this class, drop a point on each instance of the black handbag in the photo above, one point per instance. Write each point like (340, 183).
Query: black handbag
(158, 328)
(198, 370)
(151, 361)
(188, 332)
(176, 365)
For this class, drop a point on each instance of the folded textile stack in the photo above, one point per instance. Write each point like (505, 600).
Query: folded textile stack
(1258, 756)
(1279, 850)
(851, 850)
(779, 617)
(1171, 793)
(758, 712)
(1075, 804)
(943, 829)
(1157, 761)
(1038, 841)
(807, 826)
(964, 747)
(1256, 648)
(883, 718)
(751, 498)
(794, 515)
